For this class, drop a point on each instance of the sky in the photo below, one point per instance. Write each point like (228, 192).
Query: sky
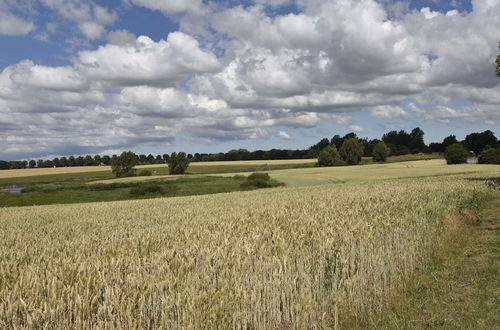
(157, 76)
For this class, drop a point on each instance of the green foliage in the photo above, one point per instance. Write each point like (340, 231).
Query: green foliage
(498, 62)
(489, 155)
(329, 156)
(258, 180)
(352, 151)
(455, 154)
(123, 166)
(145, 173)
(259, 176)
(478, 141)
(255, 183)
(380, 152)
(146, 189)
(178, 163)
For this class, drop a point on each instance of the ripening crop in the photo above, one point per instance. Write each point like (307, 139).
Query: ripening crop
(299, 258)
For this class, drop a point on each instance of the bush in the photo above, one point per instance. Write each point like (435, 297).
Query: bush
(328, 156)
(145, 173)
(455, 154)
(178, 163)
(380, 152)
(146, 189)
(258, 180)
(259, 176)
(488, 156)
(351, 151)
(239, 177)
(257, 183)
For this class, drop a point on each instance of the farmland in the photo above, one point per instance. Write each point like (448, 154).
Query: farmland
(303, 256)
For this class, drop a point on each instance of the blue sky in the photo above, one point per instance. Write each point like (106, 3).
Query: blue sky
(80, 77)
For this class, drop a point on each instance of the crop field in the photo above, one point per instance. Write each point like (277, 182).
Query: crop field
(85, 169)
(195, 168)
(290, 258)
(350, 174)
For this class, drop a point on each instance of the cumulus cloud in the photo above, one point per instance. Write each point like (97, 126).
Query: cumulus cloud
(238, 72)
(147, 62)
(90, 18)
(388, 112)
(13, 25)
(356, 128)
(171, 6)
(283, 135)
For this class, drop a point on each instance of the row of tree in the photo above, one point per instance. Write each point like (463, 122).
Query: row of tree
(457, 154)
(398, 142)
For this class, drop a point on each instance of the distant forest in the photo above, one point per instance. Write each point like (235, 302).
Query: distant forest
(399, 142)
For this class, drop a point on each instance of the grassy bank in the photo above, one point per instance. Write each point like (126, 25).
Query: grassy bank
(460, 287)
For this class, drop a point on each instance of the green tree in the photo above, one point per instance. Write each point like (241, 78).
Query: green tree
(178, 163)
(380, 152)
(455, 154)
(351, 151)
(329, 156)
(123, 165)
(489, 155)
(478, 141)
(498, 62)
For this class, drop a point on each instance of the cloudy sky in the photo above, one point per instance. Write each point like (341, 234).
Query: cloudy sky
(101, 76)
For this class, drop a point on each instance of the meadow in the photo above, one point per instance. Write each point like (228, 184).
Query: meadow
(313, 257)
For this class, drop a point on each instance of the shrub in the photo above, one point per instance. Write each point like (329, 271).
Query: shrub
(259, 175)
(145, 173)
(258, 180)
(380, 152)
(178, 163)
(239, 177)
(455, 154)
(328, 156)
(351, 151)
(146, 189)
(257, 183)
(488, 156)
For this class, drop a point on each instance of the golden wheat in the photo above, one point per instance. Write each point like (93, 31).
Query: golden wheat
(300, 257)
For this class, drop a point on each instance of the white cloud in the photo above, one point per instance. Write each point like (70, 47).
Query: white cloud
(121, 38)
(90, 18)
(170, 6)
(147, 62)
(283, 135)
(356, 128)
(388, 112)
(13, 25)
(323, 63)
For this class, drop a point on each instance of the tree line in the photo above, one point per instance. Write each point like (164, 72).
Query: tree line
(398, 143)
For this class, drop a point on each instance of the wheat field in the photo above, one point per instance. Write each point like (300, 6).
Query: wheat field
(85, 169)
(295, 258)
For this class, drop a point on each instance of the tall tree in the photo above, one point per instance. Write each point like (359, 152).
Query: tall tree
(123, 165)
(329, 156)
(380, 152)
(478, 141)
(178, 163)
(352, 151)
(498, 62)
(417, 143)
